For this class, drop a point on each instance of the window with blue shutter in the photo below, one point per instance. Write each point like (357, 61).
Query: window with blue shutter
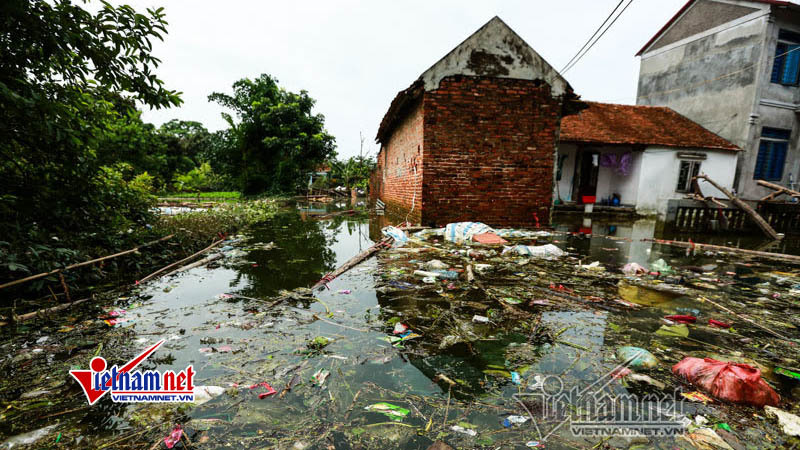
(771, 154)
(786, 67)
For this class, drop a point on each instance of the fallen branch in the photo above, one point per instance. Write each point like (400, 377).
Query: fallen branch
(762, 224)
(779, 190)
(352, 262)
(720, 248)
(177, 263)
(203, 261)
(85, 263)
(45, 311)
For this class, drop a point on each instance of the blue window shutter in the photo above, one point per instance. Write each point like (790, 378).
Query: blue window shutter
(777, 65)
(778, 157)
(763, 150)
(792, 65)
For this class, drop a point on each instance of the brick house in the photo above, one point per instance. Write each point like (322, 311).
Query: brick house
(475, 136)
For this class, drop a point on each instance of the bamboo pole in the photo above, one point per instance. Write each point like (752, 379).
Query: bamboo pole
(765, 227)
(720, 248)
(188, 258)
(751, 322)
(203, 261)
(45, 311)
(352, 262)
(85, 263)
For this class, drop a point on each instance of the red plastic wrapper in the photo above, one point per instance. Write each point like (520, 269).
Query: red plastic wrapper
(736, 383)
(719, 324)
(682, 319)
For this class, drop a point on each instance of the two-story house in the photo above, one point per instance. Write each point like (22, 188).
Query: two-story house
(733, 66)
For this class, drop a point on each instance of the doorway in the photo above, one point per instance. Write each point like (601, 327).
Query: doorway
(586, 172)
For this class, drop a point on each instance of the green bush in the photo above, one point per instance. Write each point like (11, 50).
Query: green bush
(143, 183)
(200, 178)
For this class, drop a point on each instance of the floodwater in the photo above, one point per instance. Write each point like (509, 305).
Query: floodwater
(463, 380)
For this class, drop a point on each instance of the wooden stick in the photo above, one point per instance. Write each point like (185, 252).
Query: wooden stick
(339, 324)
(181, 261)
(778, 335)
(45, 311)
(85, 263)
(196, 264)
(720, 248)
(765, 227)
(352, 262)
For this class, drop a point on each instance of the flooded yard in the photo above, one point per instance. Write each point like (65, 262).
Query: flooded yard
(498, 350)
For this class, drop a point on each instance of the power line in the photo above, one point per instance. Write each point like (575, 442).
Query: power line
(593, 35)
(599, 37)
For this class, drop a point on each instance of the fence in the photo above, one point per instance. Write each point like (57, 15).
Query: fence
(783, 217)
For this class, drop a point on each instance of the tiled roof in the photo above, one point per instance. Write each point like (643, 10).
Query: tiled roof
(606, 123)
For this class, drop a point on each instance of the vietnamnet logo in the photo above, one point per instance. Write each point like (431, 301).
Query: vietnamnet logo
(127, 385)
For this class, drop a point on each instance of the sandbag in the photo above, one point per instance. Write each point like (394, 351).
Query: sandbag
(736, 383)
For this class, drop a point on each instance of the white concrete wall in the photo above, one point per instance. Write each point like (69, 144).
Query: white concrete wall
(659, 176)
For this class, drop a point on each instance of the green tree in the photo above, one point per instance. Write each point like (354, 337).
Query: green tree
(353, 172)
(129, 139)
(185, 144)
(60, 66)
(278, 138)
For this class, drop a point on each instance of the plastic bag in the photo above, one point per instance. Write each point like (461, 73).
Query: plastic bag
(459, 232)
(633, 269)
(539, 251)
(737, 383)
(397, 234)
(661, 267)
(637, 357)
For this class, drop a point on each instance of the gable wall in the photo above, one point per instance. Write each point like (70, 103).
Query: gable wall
(489, 151)
(703, 15)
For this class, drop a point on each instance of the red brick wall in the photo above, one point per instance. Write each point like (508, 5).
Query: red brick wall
(489, 148)
(398, 184)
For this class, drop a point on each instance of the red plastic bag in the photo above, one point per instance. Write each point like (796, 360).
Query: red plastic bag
(737, 383)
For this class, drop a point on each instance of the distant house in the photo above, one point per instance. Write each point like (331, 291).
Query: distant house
(642, 155)
(474, 138)
(733, 66)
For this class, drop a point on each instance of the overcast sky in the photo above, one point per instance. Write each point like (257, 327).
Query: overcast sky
(353, 56)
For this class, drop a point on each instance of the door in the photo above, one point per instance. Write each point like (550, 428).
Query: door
(587, 170)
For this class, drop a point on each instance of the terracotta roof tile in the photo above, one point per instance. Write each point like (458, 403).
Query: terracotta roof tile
(606, 123)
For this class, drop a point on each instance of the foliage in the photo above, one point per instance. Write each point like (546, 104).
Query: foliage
(200, 178)
(232, 195)
(354, 172)
(143, 183)
(68, 81)
(224, 218)
(277, 140)
(186, 143)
